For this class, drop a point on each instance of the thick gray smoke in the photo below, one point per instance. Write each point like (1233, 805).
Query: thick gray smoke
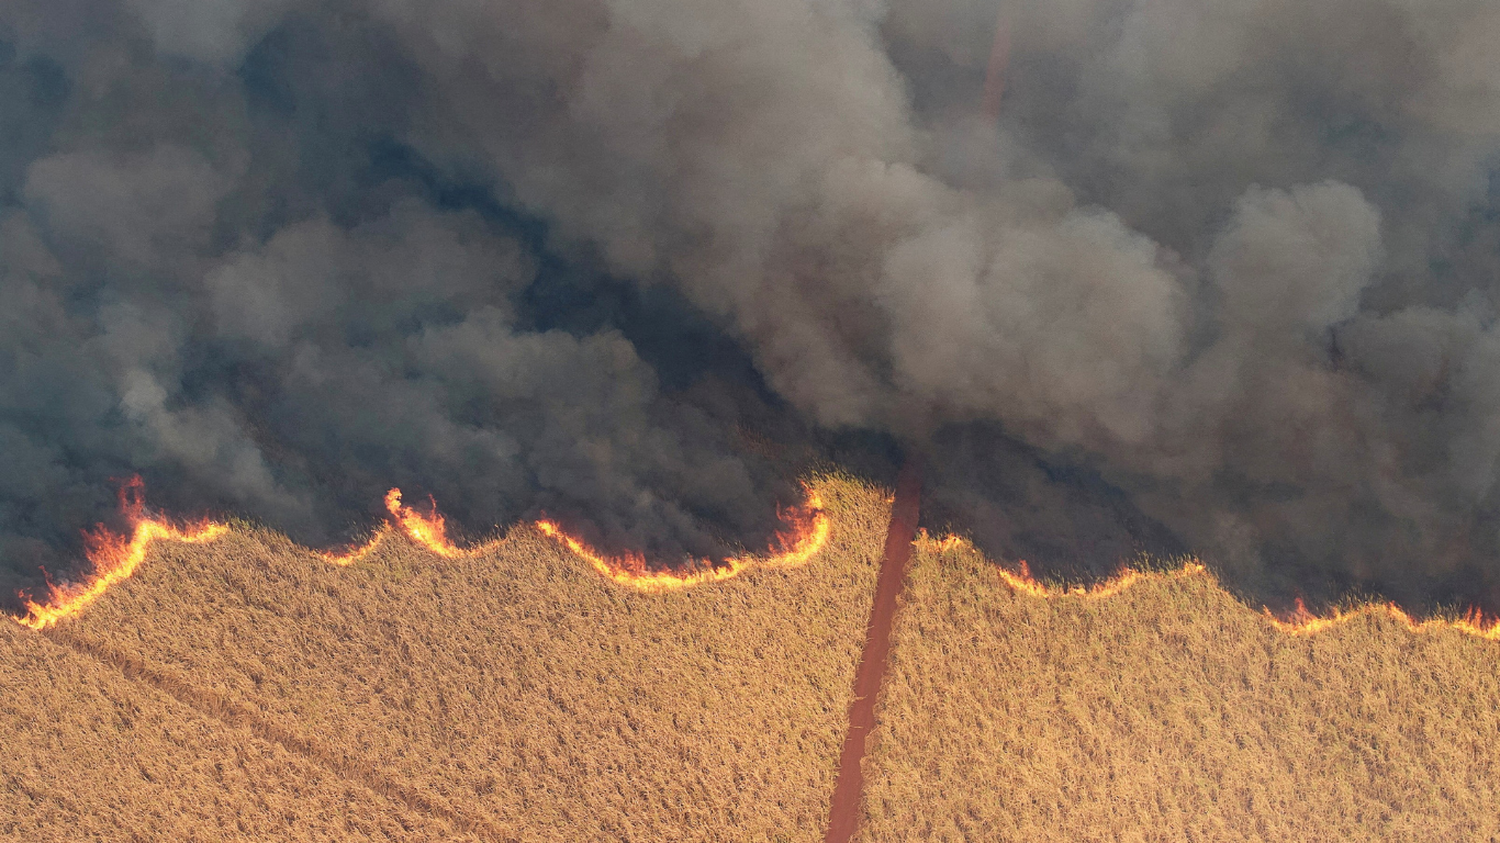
(1232, 262)
(223, 269)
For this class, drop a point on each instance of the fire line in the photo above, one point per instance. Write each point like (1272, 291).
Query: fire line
(809, 534)
(116, 557)
(999, 64)
(1301, 621)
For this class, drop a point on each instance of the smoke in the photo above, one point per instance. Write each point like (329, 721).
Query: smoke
(224, 270)
(1218, 279)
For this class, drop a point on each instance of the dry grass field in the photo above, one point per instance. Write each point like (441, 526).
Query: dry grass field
(247, 689)
(1171, 711)
(93, 755)
(513, 695)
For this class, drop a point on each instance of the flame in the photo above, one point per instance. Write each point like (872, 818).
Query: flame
(428, 530)
(1025, 583)
(349, 556)
(809, 528)
(1301, 622)
(114, 558)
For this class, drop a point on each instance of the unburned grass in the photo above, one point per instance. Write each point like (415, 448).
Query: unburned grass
(246, 689)
(92, 755)
(1171, 711)
(516, 694)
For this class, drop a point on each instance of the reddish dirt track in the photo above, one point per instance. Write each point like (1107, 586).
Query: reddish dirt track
(843, 816)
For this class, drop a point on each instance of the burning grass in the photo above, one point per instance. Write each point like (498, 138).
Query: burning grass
(1163, 709)
(509, 692)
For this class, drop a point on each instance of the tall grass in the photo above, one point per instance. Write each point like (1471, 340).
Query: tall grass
(511, 695)
(246, 689)
(89, 754)
(1171, 711)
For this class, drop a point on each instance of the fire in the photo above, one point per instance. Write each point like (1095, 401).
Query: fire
(114, 558)
(349, 556)
(808, 534)
(428, 530)
(1301, 622)
(1025, 583)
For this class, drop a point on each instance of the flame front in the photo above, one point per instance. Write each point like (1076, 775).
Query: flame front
(808, 533)
(1025, 583)
(1302, 622)
(114, 558)
(429, 531)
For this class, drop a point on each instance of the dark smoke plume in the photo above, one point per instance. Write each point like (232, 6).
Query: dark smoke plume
(1220, 278)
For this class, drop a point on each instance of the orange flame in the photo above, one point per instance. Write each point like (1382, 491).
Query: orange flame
(1302, 622)
(1025, 583)
(114, 558)
(349, 556)
(808, 534)
(429, 531)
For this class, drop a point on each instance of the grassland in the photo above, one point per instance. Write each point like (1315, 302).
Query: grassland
(1171, 711)
(93, 755)
(512, 695)
(246, 689)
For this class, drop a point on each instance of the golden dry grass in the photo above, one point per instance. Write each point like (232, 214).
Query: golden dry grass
(246, 689)
(92, 755)
(513, 695)
(1171, 711)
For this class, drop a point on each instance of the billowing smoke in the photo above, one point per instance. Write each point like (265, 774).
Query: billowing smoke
(1218, 279)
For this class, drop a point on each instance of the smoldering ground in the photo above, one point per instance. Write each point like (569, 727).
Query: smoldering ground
(1218, 279)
